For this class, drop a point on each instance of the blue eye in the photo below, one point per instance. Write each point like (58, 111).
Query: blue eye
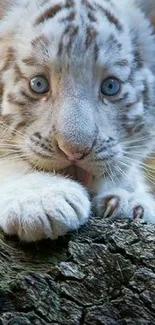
(39, 84)
(110, 87)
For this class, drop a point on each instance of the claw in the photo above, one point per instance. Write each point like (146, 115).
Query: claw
(108, 210)
(111, 205)
(138, 212)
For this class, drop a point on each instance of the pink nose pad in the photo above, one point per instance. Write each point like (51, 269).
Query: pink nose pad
(73, 154)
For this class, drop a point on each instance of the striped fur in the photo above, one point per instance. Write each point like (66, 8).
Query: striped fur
(76, 44)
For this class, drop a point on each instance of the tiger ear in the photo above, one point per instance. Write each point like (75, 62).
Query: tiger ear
(6, 31)
(148, 7)
(4, 6)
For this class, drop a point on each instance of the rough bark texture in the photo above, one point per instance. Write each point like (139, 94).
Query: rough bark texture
(104, 274)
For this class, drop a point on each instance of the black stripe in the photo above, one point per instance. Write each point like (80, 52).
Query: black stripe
(111, 18)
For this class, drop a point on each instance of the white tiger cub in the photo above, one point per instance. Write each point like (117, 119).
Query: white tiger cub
(78, 93)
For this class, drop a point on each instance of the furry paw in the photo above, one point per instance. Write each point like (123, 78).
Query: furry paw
(43, 206)
(142, 206)
(123, 204)
(112, 204)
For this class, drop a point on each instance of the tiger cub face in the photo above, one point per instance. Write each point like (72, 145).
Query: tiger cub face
(77, 83)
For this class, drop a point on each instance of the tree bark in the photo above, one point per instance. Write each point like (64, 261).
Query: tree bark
(102, 275)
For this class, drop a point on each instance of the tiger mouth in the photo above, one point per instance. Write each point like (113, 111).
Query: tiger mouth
(77, 174)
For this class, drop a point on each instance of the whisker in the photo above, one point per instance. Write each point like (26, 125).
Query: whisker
(141, 165)
(4, 135)
(111, 174)
(9, 149)
(5, 145)
(14, 156)
(150, 180)
(123, 173)
(135, 140)
(138, 155)
(138, 161)
(133, 147)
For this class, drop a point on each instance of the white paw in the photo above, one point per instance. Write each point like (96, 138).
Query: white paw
(112, 204)
(43, 206)
(142, 206)
(120, 203)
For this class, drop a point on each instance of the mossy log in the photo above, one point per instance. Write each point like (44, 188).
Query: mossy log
(102, 275)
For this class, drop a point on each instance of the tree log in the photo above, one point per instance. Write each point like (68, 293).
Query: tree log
(103, 274)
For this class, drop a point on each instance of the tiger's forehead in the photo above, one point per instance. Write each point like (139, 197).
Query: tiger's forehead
(68, 29)
(49, 9)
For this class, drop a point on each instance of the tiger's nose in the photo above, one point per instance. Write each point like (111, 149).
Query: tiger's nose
(73, 153)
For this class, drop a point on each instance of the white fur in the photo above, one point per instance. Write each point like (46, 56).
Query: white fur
(36, 205)
(128, 198)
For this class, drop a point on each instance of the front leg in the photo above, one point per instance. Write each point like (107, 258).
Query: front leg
(131, 201)
(39, 205)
